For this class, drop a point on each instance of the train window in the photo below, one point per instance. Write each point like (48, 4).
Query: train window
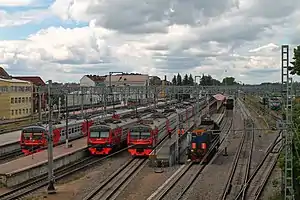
(72, 130)
(69, 131)
(99, 134)
(62, 132)
(37, 136)
(26, 136)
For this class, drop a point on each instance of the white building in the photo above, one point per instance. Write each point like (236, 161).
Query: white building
(92, 81)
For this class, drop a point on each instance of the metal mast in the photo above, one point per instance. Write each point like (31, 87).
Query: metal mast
(287, 120)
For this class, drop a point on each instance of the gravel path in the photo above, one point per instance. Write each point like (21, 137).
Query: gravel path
(77, 186)
(145, 183)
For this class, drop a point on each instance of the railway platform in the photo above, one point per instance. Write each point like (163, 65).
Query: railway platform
(29, 167)
(164, 154)
(26, 168)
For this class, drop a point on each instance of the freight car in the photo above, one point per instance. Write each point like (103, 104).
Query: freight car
(149, 132)
(203, 138)
(32, 141)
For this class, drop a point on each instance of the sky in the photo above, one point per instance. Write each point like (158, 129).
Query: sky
(63, 40)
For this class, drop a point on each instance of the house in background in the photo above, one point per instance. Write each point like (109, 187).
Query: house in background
(92, 81)
(15, 98)
(37, 82)
(128, 79)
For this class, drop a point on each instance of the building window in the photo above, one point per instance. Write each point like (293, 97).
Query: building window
(23, 111)
(26, 110)
(26, 99)
(23, 99)
(12, 112)
(20, 112)
(16, 112)
(19, 100)
(30, 99)
(12, 100)
(16, 100)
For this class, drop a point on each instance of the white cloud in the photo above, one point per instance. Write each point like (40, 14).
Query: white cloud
(15, 2)
(160, 37)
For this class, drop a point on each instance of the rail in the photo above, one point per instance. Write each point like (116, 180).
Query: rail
(257, 181)
(39, 182)
(165, 189)
(242, 157)
(111, 185)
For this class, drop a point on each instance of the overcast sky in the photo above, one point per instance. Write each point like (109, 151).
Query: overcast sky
(65, 39)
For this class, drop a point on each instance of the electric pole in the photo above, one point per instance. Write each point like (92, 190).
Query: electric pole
(67, 122)
(287, 120)
(51, 188)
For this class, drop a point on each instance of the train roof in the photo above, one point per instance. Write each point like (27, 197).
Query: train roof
(155, 120)
(36, 127)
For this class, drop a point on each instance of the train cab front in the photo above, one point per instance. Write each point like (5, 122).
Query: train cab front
(99, 140)
(140, 141)
(198, 146)
(33, 140)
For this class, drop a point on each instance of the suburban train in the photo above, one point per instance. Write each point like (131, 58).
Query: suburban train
(148, 133)
(34, 138)
(109, 135)
(203, 138)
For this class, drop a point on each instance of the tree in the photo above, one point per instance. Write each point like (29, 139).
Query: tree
(191, 80)
(185, 80)
(229, 81)
(174, 81)
(179, 79)
(295, 69)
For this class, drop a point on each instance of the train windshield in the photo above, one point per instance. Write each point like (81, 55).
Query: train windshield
(137, 133)
(37, 136)
(101, 133)
(33, 133)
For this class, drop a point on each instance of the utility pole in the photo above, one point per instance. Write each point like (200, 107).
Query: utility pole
(177, 138)
(67, 122)
(40, 106)
(81, 94)
(51, 188)
(287, 120)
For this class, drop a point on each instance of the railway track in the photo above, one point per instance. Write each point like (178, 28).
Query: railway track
(110, 188)
(183, 180)
(240, 169)
(253, 188)
(11, 156)
(27, 188)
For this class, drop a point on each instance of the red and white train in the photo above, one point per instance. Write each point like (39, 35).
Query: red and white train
(109, 135)
(146, 135)
(34, 138)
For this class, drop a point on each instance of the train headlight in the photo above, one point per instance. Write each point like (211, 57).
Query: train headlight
(192, 150)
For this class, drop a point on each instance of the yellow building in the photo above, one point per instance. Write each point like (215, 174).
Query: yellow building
(15, 98)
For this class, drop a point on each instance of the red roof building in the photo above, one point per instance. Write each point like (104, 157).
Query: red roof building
(219, 97)
(36, 81)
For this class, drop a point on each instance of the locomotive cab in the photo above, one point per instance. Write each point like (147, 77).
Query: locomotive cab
(140, 137)
(99, 140)
(33, 139)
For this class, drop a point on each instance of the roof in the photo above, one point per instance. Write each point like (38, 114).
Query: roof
(13, 80)
(3, 73)
(128, 78)
(219, 97)
(36, 80)
(96, 78)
